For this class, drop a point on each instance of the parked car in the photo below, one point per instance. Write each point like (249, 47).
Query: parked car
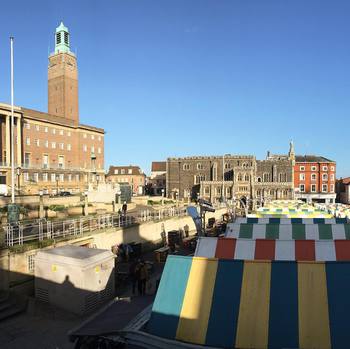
(65, 193)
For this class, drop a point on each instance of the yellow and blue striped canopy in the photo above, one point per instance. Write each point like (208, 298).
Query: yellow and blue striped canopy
(253, 304)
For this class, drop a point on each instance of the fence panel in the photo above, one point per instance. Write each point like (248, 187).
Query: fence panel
(24, 231)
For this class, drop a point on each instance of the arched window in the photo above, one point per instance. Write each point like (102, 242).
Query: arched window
(266, 177)
(186, 167)
(239, 177)
(199, 178)
(283, 177)
(246, 177)
(227, 165)
(325, 177)
(199, 166)
(259, 179)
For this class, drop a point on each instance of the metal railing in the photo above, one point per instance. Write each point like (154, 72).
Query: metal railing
(39, 230)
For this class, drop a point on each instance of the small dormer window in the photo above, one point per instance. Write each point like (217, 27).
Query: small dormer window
(58, 38)
(66, 38)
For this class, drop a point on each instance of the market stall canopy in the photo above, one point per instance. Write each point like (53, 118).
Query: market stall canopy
(250, 304)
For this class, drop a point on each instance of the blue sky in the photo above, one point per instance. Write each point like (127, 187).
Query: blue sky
(194, 77)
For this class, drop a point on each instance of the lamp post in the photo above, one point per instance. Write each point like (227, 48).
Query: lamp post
(86, 204)
(57, 179)
(163, 196)
(12, 208)
(18, 173)
(41, 204)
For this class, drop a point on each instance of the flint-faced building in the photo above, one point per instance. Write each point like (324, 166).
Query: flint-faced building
(52, 151)
(231, 176)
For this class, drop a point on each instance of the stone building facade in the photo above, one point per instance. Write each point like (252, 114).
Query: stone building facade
(157, 179)
(343, 190)
(131, 175)
(228, 177)
(53, 152)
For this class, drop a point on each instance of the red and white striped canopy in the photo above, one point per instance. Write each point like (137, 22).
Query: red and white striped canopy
(264, 249)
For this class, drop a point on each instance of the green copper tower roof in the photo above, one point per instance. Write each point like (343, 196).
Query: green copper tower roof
(62, 39)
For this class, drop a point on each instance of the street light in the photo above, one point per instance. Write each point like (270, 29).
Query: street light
(163, 191)
(57, 179)
(18, 178)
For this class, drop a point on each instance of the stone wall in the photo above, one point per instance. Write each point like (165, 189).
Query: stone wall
(241, 176)
(16, 268)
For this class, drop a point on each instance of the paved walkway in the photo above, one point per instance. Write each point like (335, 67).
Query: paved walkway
(46, 327)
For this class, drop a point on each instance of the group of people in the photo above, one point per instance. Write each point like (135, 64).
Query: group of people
(139, 276)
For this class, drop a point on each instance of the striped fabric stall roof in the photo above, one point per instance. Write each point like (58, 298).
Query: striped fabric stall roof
(274, 220)
(288, 231)
(292, 215)
(279, 250)
(250, 304)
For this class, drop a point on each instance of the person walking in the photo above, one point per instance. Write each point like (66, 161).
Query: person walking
(142, 278)
(124, 208)
(133, 275)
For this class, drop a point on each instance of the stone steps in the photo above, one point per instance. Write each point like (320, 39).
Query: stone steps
(10, 305)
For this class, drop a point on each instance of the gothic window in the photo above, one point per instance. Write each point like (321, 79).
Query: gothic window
(198, 178)
(258, 192)
(227, 165)
(244, 165)
(186, 167)
(246, 178)
(199, 166)
(259, 179)
(283, 177)
(206, 190)
(239, 177)
(266, 177)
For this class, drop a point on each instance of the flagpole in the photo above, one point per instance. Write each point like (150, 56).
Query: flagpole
(12, 131)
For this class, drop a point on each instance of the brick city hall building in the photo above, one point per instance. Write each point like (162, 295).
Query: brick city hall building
(52, 151)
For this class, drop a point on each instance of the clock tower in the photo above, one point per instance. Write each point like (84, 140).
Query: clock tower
(63, 78)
